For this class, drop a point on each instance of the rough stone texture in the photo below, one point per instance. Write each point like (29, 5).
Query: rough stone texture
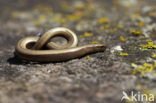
(97, 78)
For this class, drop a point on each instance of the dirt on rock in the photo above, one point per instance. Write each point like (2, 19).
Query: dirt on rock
(127, 27)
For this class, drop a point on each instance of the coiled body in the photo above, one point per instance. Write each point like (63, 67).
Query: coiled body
(31, 48)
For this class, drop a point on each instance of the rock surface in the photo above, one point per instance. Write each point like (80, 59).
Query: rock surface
(128, 27)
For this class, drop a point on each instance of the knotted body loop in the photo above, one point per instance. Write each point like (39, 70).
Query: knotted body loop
(31, 48)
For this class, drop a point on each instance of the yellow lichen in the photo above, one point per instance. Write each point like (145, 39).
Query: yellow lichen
(130, 100)
(86, 34)
(120, 26)
(123, 54)
(134, 72)
(143, 69)
(150, 45)
(154, 55)
(87, 57)
(123, 39)
(102, 20)
(134, 65)
(104, 27)
(141, 24)
(72, 17)
(95, 42)
(75, 16)
(147, 92)
(136, 32)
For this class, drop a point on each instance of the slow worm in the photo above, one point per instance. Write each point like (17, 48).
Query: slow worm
(33, 48)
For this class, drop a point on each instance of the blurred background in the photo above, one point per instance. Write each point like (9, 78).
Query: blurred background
(127, 27)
